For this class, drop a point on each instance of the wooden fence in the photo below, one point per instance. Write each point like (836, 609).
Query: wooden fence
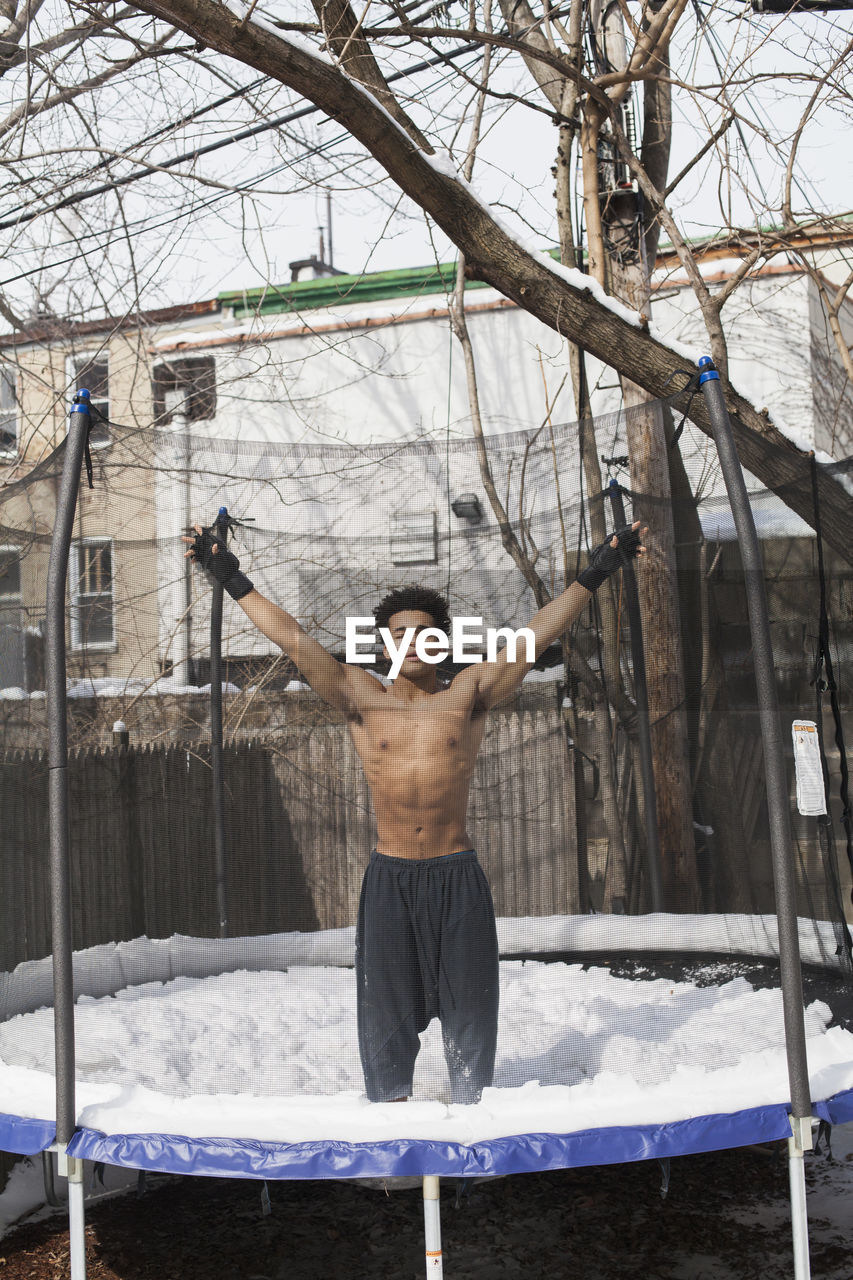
(299, 832)
(300, 829)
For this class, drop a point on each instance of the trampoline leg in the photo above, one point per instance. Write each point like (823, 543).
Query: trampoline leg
(797, 1144)
(73, 1170)
(432, 1228)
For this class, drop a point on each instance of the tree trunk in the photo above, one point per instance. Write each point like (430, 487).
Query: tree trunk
(727, 885)
(658, 591)
(628, 279)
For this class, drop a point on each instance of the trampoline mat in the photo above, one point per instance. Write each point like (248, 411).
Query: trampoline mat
(256, 1072)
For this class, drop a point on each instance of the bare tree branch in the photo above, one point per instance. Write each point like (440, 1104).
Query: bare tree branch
(494, 256)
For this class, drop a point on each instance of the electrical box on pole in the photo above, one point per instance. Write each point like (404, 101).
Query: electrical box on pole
(799, 6)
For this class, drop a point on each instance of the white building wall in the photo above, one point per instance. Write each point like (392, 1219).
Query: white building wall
(767, 323)
(388, 374)
(391, 370)
(383, 372)
(832, 390)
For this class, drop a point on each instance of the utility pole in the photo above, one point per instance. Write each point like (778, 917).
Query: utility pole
(623, 269)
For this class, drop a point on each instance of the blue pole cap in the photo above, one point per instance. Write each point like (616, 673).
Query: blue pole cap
(707, 371)
(82, 402)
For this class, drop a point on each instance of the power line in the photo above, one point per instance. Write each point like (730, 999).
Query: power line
(709, 37)
(147, 170)
(196, 152)
(708, 40)
(140, 224)
(168, 128)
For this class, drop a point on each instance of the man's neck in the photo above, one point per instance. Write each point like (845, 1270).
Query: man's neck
(408, 690)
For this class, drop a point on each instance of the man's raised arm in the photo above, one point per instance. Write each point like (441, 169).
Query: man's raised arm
(323, 672)
(498, 680)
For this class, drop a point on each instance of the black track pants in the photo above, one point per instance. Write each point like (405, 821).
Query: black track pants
(426, 947)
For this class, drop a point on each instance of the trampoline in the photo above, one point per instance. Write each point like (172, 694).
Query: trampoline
(659, 1065)
(632, 1026)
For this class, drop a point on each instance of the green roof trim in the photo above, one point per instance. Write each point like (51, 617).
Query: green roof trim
(723, 236)
(327, 291)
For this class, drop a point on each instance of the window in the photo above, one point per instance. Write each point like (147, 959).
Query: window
(8, 413)
(413, 539)
(92, 607)
(93, 373)
(195, 376)
(11, 639)
(10, 581)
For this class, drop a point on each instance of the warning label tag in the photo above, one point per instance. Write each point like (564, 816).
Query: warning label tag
(811, 795)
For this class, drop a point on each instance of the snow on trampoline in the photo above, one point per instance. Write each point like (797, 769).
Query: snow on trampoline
(272, 1057)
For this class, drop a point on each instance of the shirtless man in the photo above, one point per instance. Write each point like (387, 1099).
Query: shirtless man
(426, 944)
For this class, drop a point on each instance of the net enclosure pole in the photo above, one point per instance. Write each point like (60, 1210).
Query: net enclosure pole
(217, 774)
(432, 1227)
(60, 859)
(641, 696)
(781, 846)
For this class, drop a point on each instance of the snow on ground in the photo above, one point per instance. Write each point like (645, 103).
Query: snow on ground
(272, 1056)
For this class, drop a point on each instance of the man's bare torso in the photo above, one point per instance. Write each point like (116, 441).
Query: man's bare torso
(417, 741)
(418, 756)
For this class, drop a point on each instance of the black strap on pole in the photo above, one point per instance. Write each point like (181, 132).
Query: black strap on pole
(641, 696)
(778, 801)
(824, 682)
(57, 720)
(221, 526)
(690, 388)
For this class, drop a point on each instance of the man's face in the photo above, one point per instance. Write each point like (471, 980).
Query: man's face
(398, 624)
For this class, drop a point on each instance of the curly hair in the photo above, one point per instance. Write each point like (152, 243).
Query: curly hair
(423, 599)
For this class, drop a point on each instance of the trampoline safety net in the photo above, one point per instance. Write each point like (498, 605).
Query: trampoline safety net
(264, 994)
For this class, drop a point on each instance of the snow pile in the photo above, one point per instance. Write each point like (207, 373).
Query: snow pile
(121, 687)
(273, 1056)
(113, 966)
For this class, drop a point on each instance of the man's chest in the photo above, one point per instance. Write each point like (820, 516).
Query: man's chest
(439, 724)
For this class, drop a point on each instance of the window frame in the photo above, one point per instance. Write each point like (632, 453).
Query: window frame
(78, 642)
(413, 538)
(13, 601)
(18, 595)
(76, 363)
(10, 377)
(196, 396)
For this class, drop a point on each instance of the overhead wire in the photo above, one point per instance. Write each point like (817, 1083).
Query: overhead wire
(140, 225)
(240, 136)
(710, 40)
(170, 127)
(147, 170)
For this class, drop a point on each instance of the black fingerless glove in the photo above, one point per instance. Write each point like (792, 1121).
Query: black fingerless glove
(224, 566)
(605, 559)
